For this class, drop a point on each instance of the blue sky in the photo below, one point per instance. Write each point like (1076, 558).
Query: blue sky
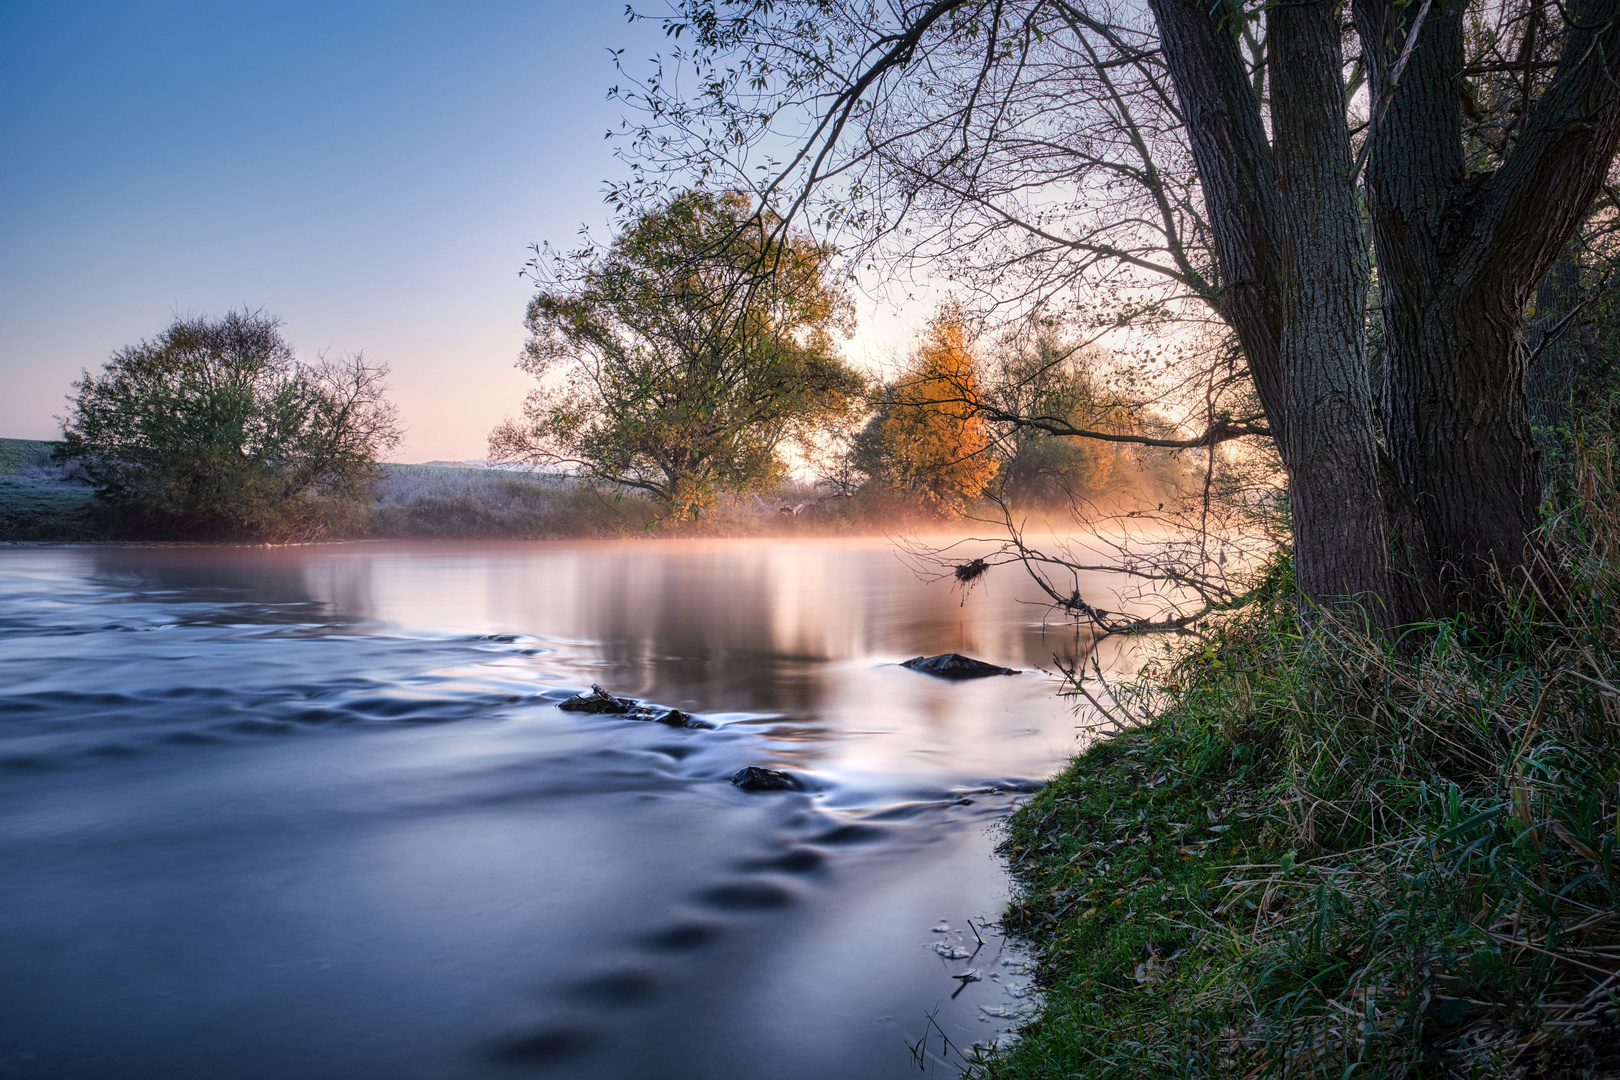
(371, 172)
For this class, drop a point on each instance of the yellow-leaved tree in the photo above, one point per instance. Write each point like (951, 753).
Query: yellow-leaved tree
(937, 443)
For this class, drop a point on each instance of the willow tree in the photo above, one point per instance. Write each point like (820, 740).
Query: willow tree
(1225, 150)
(681, 359)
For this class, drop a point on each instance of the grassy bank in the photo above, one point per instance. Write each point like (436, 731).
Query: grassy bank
(1322, 858)
(39, 499)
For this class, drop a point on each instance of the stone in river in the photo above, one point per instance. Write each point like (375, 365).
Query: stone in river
(676, 718)
(955, 666)
(597, 701)
(755, 778)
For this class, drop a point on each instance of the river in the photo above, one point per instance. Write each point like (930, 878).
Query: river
(313, 812)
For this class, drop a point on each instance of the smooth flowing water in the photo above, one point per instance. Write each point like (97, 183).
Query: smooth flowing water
(313, 812)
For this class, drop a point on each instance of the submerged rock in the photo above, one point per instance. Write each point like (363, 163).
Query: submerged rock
(598, 701)
(955, 666)
(756, 778)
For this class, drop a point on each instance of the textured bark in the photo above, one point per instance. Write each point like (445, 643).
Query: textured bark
(1294, 275)
(1235, 170)
(1340, 542)
(1458, 257)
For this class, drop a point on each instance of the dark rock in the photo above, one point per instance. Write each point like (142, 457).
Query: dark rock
(598, 701)
(755, 778)
(676, 718)
(955, 666)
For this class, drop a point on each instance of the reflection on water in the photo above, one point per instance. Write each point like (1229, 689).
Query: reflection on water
(313, 812)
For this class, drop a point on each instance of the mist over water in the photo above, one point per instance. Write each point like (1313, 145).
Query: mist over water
(313, 811)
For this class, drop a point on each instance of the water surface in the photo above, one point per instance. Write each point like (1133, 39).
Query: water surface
(313, 811)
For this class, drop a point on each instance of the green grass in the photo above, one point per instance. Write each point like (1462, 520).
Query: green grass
(37, 505)
(1325, 858)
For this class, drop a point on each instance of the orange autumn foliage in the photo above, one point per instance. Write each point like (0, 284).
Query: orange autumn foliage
(938, 444)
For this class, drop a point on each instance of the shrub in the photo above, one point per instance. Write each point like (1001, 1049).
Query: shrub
(216, 429)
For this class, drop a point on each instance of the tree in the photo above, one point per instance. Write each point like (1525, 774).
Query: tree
(1406, 498)
(936, 442)
(216, 428)
(1050, 381)
(682, 359)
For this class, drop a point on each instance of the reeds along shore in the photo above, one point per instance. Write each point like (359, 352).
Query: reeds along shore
(1320, 856)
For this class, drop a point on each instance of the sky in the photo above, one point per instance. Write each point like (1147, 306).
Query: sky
(372, 173)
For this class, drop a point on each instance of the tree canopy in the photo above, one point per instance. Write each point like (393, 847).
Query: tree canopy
(935, 441)
(683, 358)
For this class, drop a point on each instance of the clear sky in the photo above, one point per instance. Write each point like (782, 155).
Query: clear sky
(371, 172)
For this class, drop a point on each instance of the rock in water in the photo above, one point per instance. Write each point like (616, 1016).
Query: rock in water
(755, 778)
(676, 718)
(597, 701)
(955, 666)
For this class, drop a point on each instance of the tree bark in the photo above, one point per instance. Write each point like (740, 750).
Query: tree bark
(1458, 257)
(1294, 276)
(1340, 542)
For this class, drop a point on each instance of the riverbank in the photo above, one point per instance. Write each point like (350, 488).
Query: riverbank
(41, 499)
(1323, 859)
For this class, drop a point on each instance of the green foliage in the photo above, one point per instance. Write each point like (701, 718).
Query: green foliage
(1052, 381)
(1324, 857)
(215, 429)
(684, 358)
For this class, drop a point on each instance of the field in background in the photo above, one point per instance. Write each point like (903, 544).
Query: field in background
(39, 499)
(43, 500)
(450, 501)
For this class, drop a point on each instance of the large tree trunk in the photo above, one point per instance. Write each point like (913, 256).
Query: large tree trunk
(1458, 257)
(1340, 542)
(1457, 417)
(1294, 275)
